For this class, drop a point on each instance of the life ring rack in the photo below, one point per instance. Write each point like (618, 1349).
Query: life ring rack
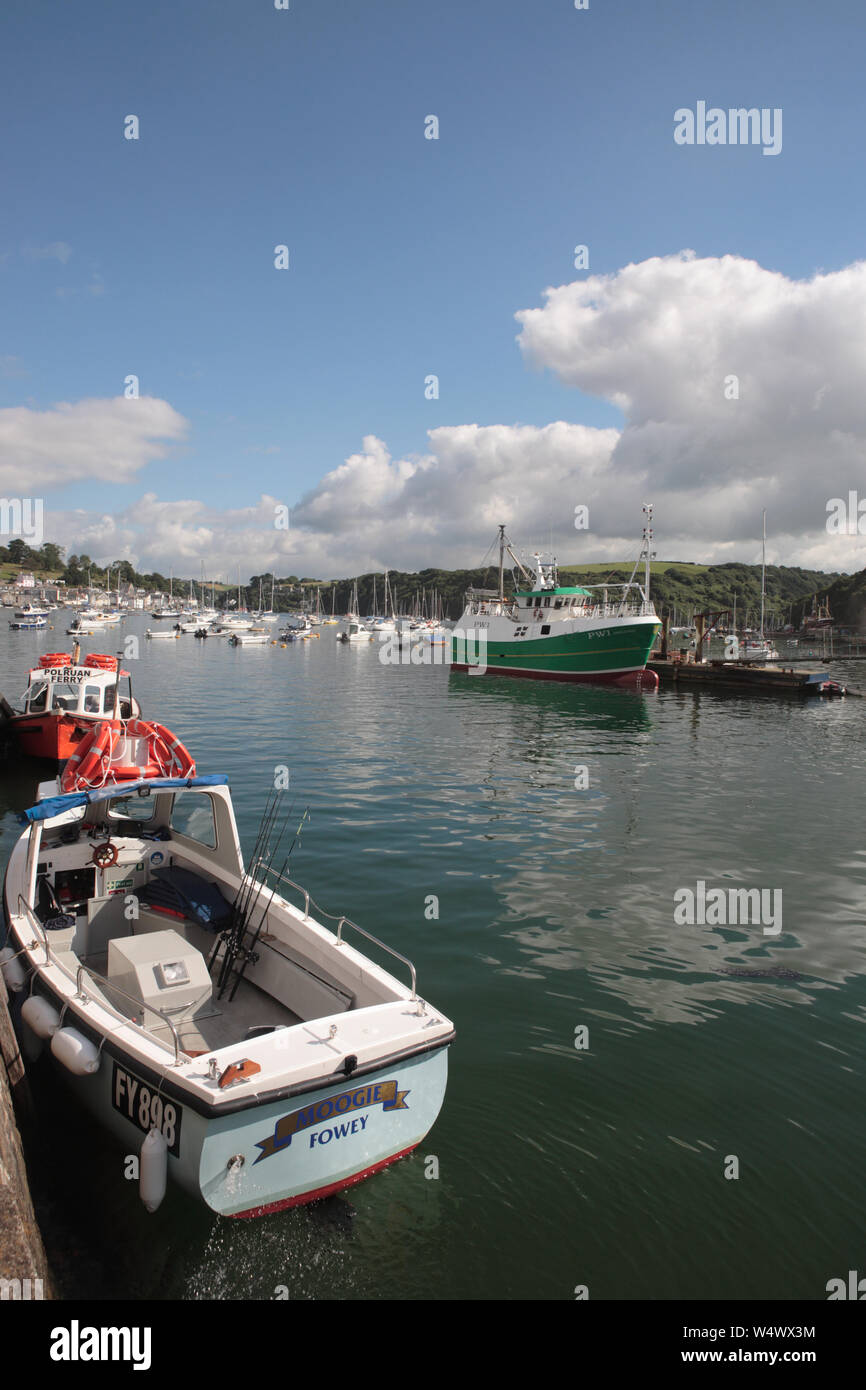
(92, 765)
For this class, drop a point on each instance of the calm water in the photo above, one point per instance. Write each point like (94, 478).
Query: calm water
(557, 1166)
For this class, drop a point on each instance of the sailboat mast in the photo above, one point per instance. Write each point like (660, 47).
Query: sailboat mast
(763, 567)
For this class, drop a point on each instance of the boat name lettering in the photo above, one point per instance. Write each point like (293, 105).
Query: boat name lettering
(383, 1093)
(67, 674)
(146, 1108)
(602, 632)
(324, 1136)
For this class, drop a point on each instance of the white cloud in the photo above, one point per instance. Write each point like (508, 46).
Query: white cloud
(658, 338)
(105, 439)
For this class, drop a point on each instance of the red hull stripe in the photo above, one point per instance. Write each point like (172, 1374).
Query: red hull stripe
(636, 679)
(319, 1192)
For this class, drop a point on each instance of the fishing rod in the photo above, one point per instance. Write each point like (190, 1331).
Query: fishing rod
(224, 935)
(244, 888)
(249, 952)
(261, 865)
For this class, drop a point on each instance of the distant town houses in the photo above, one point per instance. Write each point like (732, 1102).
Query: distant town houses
(56, 591)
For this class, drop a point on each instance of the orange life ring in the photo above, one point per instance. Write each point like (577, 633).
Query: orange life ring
(165, 748)
(92, 764)
(55, 659)
(78, 773)
(106, 663)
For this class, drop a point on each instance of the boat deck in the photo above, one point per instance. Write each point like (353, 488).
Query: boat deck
(219, 1022)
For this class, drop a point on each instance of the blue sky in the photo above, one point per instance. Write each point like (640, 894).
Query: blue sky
(407, 256)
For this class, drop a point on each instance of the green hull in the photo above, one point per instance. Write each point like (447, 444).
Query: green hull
(584, 655)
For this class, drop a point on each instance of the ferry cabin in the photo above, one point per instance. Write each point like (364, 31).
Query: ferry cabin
(63, 701)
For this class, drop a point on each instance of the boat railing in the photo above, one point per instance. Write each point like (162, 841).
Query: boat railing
(25, 910)
(104, 1003)
(347, 921)
(617, 608)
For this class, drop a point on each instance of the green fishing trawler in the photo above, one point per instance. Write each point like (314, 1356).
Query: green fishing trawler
(550, 631)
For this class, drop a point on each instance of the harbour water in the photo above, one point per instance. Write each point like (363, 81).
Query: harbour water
(523, 844)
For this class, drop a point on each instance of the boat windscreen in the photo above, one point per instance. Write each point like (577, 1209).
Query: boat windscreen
(57, 805)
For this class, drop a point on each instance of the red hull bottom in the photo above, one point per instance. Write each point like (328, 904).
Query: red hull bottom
(623, 680)
(319, 1192)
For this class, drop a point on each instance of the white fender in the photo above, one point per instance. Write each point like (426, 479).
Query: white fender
(77, 1053)
(153, 1170)
(13, 971)
(40, 1016)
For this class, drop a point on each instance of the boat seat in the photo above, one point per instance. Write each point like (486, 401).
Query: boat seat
(182, 894)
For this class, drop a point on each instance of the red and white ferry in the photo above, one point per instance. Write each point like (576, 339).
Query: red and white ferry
(66, 696)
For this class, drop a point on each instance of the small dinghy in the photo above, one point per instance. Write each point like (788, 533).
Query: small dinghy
(249, 1053)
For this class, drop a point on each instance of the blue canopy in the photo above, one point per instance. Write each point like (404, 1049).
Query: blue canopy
(56, 805)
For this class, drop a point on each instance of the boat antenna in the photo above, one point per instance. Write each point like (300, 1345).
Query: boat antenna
(502, 564)
(649, 553)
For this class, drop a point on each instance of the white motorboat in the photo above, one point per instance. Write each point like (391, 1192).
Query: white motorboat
(299, 622)
(229, 625)
(83, 625)
(249, 639)
(34, 623)
(353, 631)
(248, 1052)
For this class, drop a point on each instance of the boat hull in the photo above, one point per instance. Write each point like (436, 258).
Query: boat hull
(52, 736)
(276, 1154)
(612, 652)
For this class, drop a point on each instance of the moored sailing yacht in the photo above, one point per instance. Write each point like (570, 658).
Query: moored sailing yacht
(551, 631)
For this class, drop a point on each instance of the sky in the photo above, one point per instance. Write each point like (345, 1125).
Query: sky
(437, 357)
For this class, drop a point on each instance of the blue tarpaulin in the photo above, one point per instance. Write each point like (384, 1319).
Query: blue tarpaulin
(56, 805)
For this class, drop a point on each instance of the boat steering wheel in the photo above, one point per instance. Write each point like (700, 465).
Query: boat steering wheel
(104, 856)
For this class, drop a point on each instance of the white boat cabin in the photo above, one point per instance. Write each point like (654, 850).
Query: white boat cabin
(82, 689)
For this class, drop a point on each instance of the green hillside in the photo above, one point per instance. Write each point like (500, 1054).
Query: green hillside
(678, 587)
